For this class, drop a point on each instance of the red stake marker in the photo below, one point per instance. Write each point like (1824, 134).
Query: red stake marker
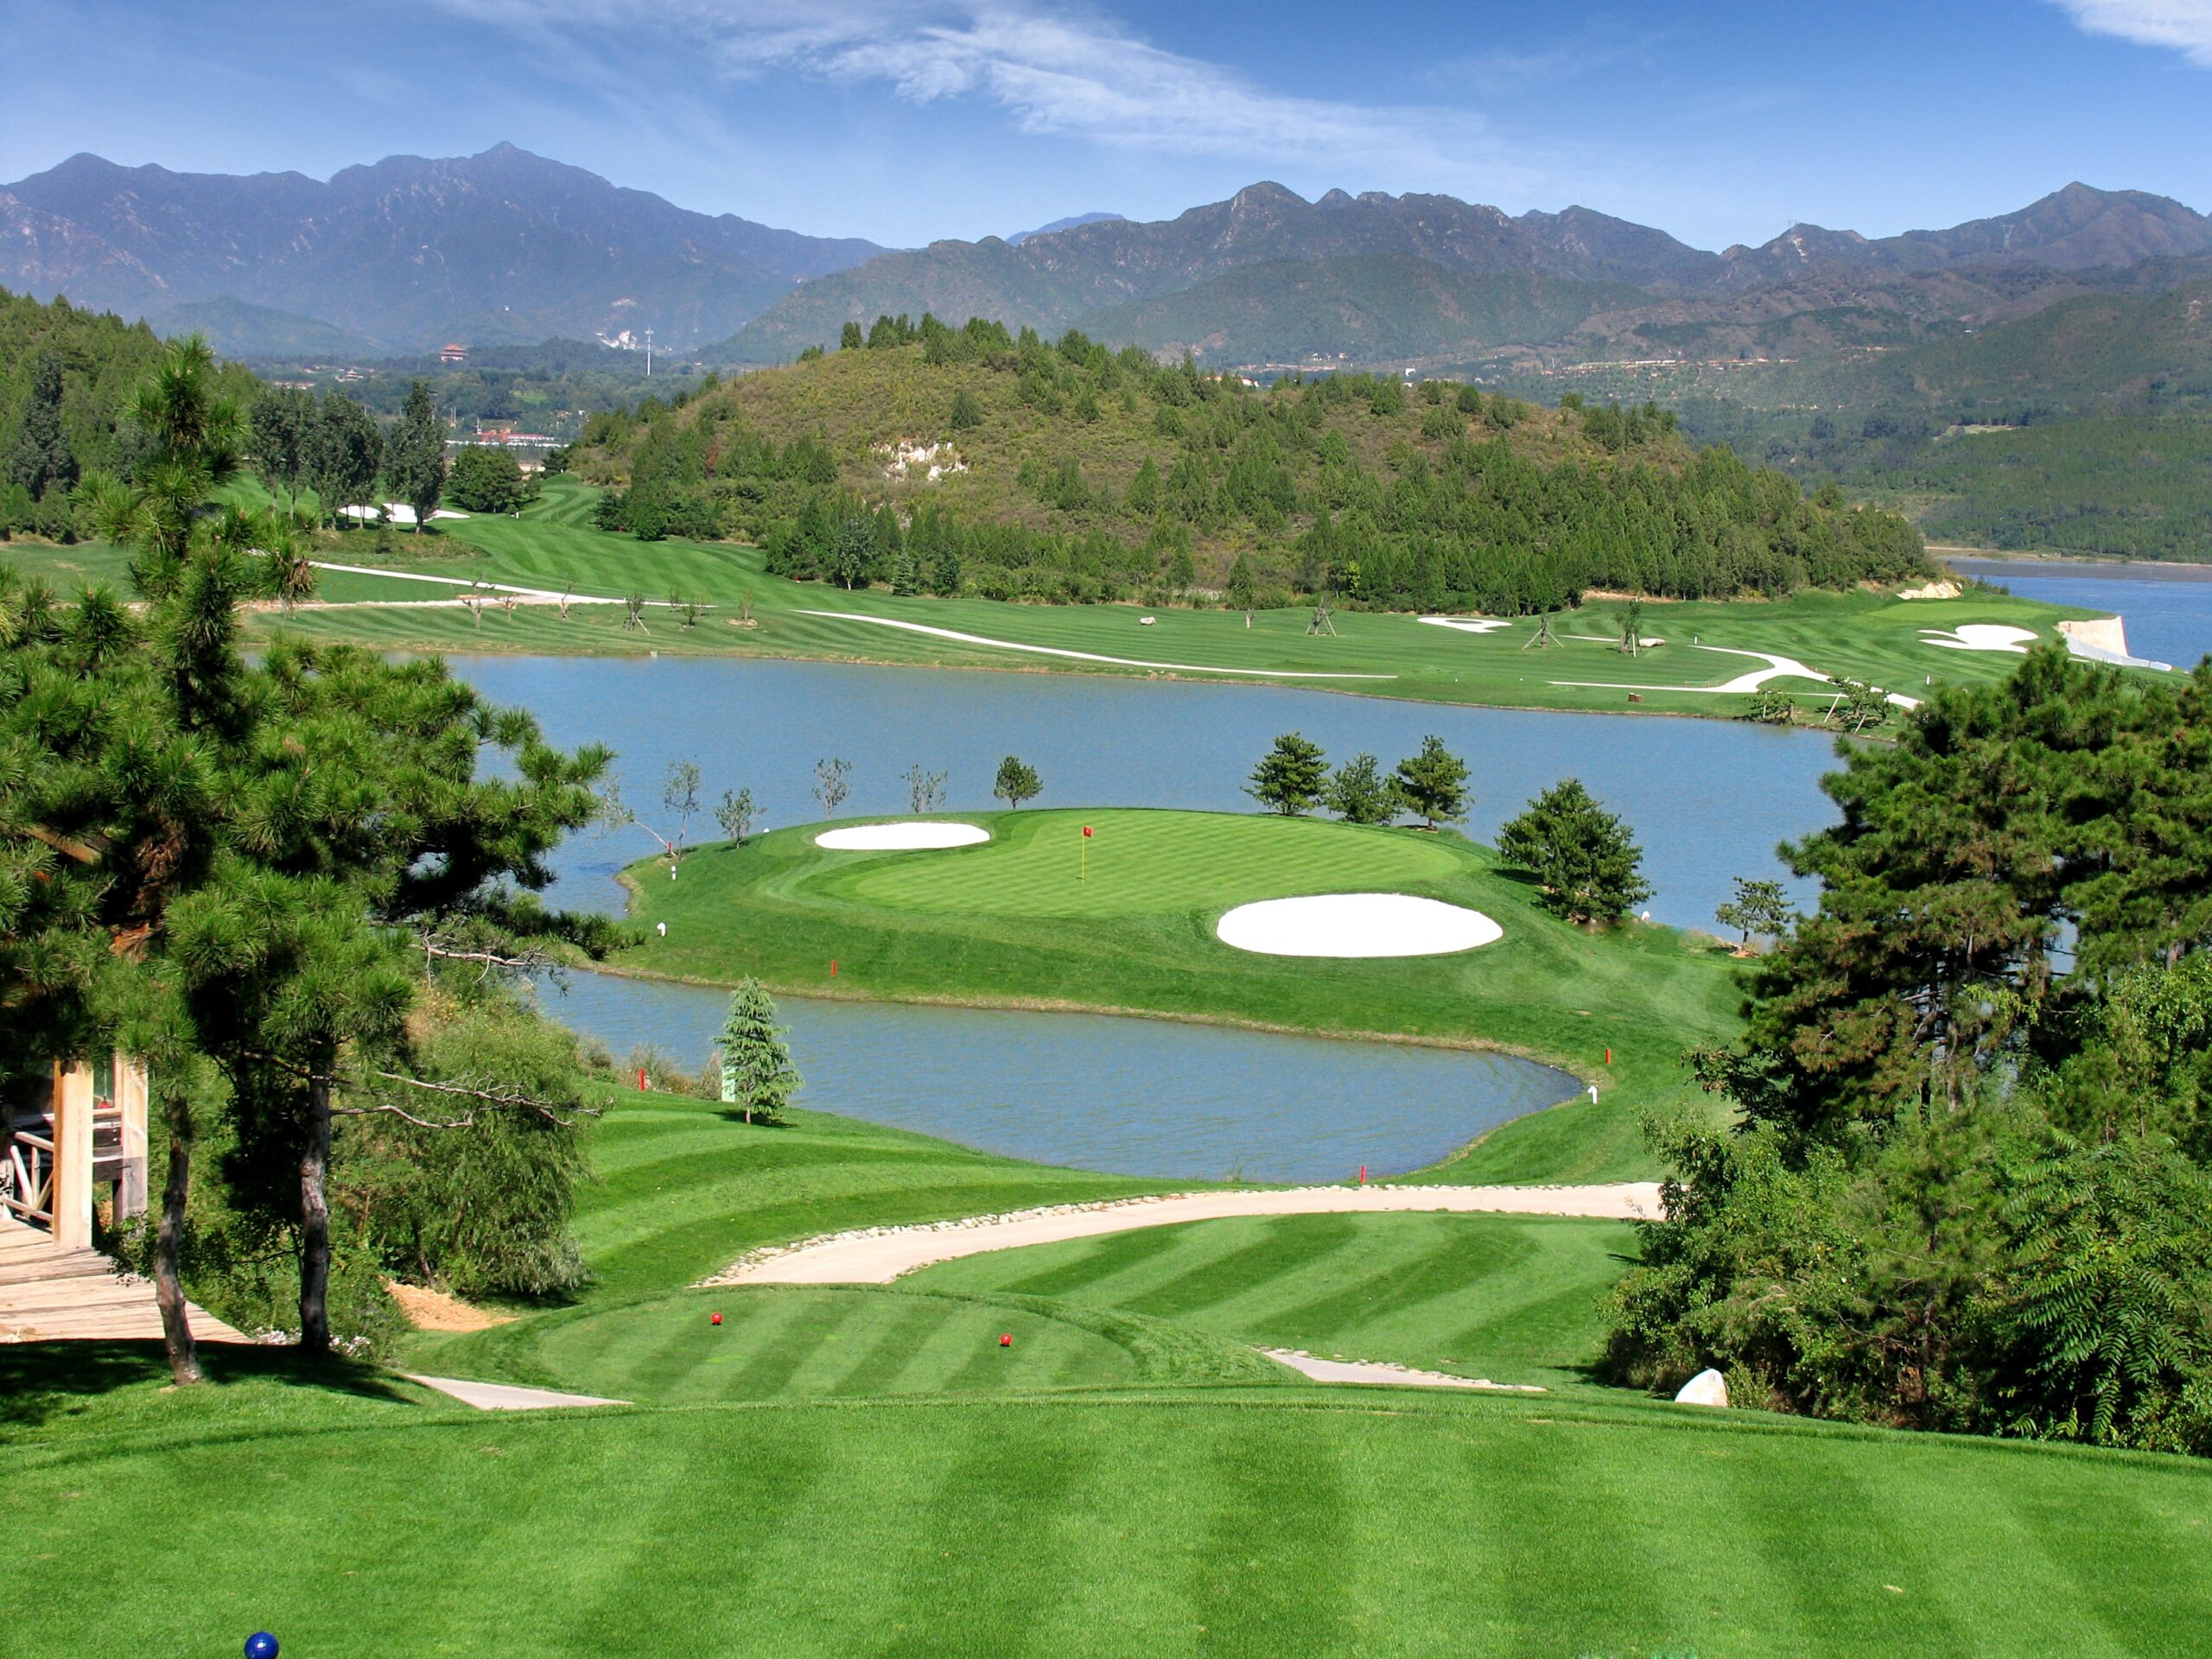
(833, 970)
(1609, 1057)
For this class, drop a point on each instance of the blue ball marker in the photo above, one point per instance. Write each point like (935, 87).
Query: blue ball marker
(261, 1645)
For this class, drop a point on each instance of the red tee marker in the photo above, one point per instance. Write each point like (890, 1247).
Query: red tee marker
(1007, 1340)
(714, 1318)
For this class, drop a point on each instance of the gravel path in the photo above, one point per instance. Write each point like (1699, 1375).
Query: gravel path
(876, 1255)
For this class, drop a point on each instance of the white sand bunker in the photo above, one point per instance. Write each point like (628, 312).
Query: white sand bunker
(1356, 924)
(1467, 624)
(1980, 636)
(911, 837)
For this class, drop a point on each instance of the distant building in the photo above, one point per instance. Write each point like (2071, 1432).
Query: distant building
(451, 353)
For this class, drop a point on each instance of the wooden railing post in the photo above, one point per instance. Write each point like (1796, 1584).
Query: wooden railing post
(130, 1096)
(73, 1157)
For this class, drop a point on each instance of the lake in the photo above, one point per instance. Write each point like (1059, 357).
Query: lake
(2167, 607)
(1709, 800)
(1149, 1097)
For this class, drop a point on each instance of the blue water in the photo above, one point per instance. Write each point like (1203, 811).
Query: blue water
(2168, 609)
(1128, 1097)
(1709, 799)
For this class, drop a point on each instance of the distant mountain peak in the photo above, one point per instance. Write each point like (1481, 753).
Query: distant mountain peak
(1072, 222)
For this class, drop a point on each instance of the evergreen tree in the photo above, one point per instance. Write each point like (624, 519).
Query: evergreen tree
(1584, 863)
(1360, 794)
(967, 410)
(1433, 783)
(486, 478)
(1291, 775)
(1143, 499)
(758, 1077)
(1017, 782)
(42, 460)
(1757, 908)
(849, 339)
(416, 457)
(1241, 590)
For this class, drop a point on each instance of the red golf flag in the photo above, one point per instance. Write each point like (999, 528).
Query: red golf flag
(1086, 832)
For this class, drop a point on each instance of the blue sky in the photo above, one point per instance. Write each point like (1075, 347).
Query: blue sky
(908, 119)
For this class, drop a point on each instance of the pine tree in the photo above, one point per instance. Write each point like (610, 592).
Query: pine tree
(1588, 867)
(1758, 908)
(1290, 777)
(758, 1077)
(1017, 782)
(1360, 794)
(1433, 783)
(42, 458)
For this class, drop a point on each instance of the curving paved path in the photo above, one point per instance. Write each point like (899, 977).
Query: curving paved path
(876, 1255)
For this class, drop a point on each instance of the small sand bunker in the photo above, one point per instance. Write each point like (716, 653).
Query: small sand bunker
(1980, 636)
(913, 835)
(1356, 924)
(1467, 624)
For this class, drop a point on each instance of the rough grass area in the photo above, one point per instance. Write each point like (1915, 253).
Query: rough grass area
(358, 1522)
(993, 925)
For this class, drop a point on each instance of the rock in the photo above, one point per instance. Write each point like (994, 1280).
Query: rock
(1707, 1387)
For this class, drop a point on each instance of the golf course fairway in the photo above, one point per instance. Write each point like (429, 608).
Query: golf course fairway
(1123, 921)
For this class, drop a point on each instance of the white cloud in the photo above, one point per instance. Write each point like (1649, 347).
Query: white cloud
(2183, 26)
(1058, 71)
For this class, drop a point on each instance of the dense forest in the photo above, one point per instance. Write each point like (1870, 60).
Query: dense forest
(65, 378)
(973, 460)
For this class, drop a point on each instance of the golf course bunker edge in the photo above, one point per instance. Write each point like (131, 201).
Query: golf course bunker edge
(906, 837)
(1356, 924)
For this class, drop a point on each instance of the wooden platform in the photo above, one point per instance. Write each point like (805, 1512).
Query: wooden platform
(48, 1294)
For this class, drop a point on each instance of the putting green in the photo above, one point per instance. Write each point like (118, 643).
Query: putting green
(1141, 862)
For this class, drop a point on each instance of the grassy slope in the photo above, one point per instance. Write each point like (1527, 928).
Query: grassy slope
(1863, 635)
(782, 909)
(356, 1522)
(1511, 1298)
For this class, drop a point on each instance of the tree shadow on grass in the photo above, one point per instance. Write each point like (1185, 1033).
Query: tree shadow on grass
(41, 1381)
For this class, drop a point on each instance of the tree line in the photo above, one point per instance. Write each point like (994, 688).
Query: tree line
(1970, 1183)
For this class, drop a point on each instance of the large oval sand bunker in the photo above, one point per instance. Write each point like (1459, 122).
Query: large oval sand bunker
(913, 835)
(1356, 924)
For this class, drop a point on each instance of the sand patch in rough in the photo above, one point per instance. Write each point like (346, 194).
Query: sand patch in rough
(433, 1310)
(913, 835)
(1356, 924)
(1467, 624)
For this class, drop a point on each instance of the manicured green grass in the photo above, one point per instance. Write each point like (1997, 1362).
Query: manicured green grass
(782, 1341)
(995, 925)
(553, 545)
(682, 1187)
(1222, 1522)
(1511, 1298)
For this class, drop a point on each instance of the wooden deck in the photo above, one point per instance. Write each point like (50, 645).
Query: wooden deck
(48, 1294)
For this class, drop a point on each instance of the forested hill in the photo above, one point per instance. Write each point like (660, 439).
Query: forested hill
(970, 460)
(65, 377)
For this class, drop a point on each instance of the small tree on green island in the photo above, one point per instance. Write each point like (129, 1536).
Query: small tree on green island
(1361, 793)
(680, 795)
(758, 1077)
(1290, 777)
(1434, 784)
(1584, 859)
(1757, 908)
(736, 814)
(1017, 782)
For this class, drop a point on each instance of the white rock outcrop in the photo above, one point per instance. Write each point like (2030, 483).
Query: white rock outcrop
(1707, 1387)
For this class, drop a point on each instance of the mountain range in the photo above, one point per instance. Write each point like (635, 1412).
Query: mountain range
(405, 255)
(506, 246)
